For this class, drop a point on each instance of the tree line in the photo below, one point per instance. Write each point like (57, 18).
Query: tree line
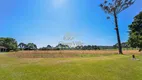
(67, 47)
(12, 45)
(85, 47)
(29, 46)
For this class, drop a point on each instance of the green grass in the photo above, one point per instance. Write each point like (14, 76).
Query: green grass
(102, 67)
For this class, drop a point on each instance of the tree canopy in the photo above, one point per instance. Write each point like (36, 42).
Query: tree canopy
(29, 46)
(22, 46)
(135, 32)
(9, 43)
(113, 7)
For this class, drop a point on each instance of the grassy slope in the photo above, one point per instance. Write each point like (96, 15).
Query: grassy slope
(110, 67)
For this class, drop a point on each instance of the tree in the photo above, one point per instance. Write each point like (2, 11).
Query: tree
(49, 47)
(87, 47)
(9, 43)
(22, 46)
(62, 46)
(124, 45)
(31, 46)
(113, 8)
(135, 32)
(78, 47)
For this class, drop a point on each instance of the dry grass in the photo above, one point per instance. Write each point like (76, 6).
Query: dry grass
(67, 53)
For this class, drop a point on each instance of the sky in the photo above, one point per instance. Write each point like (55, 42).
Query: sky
(46, 22)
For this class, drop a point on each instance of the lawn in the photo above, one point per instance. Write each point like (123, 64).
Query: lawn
(102, 67)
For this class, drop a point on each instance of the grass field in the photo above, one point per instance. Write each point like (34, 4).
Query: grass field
(85, 66)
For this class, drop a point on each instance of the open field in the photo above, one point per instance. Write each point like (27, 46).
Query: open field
(87, 65)
(67, 53)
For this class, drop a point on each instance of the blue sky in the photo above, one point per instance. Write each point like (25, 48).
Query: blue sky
(45, 22)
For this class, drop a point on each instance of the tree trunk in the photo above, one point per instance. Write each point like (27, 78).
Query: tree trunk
(117, 32)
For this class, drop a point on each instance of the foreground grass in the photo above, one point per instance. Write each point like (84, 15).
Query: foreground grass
(104, 67)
